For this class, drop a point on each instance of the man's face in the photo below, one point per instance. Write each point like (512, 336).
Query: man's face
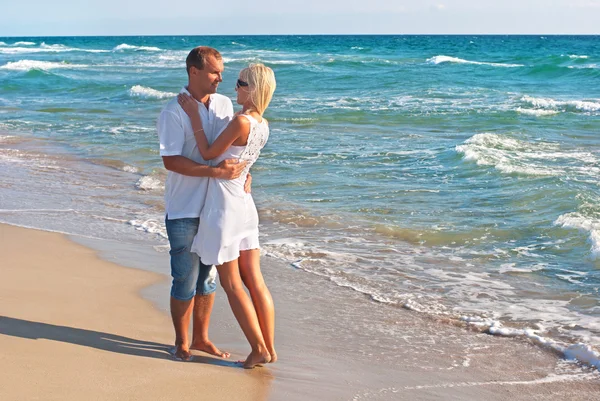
(207, 80)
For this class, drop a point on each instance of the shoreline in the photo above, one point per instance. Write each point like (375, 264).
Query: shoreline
(328, 349)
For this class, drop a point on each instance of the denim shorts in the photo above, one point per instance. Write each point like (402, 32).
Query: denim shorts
(190, 275)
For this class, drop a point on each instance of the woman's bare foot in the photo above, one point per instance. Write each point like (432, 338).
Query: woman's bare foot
(257, 358)
(273, 356)
(209, 348)
(182, 354)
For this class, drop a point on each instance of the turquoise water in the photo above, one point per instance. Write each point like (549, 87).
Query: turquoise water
(453, 175)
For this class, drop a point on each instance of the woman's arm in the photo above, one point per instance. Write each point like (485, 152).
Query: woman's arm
(237, 127)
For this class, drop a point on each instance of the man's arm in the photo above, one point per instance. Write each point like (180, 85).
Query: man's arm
(227, 169)
(248, 184)
(171, 136)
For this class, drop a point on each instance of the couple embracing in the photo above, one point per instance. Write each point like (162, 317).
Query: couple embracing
(211, 219)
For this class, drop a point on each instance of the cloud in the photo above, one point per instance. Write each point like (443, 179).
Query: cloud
(439, 7)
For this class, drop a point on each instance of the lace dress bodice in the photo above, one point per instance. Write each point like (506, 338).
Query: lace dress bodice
(257, 138)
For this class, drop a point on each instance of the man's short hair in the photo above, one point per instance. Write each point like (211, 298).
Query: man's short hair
(197, 57)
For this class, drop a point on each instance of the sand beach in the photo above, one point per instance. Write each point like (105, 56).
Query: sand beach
(74, 326)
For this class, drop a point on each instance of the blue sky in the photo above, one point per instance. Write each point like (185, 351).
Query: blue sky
(194, 17)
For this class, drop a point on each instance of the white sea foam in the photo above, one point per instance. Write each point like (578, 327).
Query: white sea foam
(47, 49)
(580, 351)
(6, 138)
(510, 155)
(23, 44)
(63, 48)
(583, 353)
(563, 105)
(19, 50)
(143, 91)
(149, 183)
(121, 129)
(575, 56)
(584, 67)
(27, 65)
(448, 59)
(11, 156)
(173, 58)
(2, 43)
(281, 62)
(584, 224)
(511, 268)
(125, 46)
(537, 112)
(130, 169)
(150, 226)
(43, 45)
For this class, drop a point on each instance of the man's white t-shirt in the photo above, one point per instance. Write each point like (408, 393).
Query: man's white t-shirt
(185, 195)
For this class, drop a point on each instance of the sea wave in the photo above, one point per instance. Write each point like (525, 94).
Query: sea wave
(585, 224)
(510, 155)
(130, 169)
(537, 112)
(149, 183)
(585, 67)
(580, 352)
(28, 65)
(5, 139)
(23, 44)
(143, 91)
(449, 59)
(562, 105)
(150, 226)
(125, 46)
(45, 48)
(258, 59)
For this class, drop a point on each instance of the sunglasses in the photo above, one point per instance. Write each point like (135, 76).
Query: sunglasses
(241, 83)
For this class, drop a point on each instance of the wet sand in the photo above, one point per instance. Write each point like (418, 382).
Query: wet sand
(75, 326)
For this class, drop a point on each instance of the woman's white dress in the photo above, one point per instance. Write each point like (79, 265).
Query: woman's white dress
(229, 220)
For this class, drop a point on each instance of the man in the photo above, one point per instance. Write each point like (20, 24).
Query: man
(193, 287)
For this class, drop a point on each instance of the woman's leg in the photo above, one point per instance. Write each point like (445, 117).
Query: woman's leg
(261, 297)
(229, 275)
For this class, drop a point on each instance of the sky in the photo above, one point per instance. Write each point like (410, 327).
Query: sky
(244, 17)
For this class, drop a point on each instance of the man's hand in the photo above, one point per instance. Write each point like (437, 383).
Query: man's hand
(229, 169)
(248, 184)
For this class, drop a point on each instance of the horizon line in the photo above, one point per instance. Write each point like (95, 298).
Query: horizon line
(308, 34)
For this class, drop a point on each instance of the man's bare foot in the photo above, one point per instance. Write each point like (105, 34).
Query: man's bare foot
(182, 354)
(209, 348)
(257, 359)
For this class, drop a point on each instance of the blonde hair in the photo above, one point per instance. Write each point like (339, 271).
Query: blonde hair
(261, 85)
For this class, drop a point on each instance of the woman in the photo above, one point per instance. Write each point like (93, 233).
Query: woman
(228, 232)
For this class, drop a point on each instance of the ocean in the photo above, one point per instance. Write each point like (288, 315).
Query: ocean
(455, 176)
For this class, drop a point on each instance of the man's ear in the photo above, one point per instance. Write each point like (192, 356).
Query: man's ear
(195, 70)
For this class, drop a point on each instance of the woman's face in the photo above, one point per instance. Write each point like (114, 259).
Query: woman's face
(242, 89)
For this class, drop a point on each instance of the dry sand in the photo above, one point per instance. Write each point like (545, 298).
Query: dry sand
(73, 327)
